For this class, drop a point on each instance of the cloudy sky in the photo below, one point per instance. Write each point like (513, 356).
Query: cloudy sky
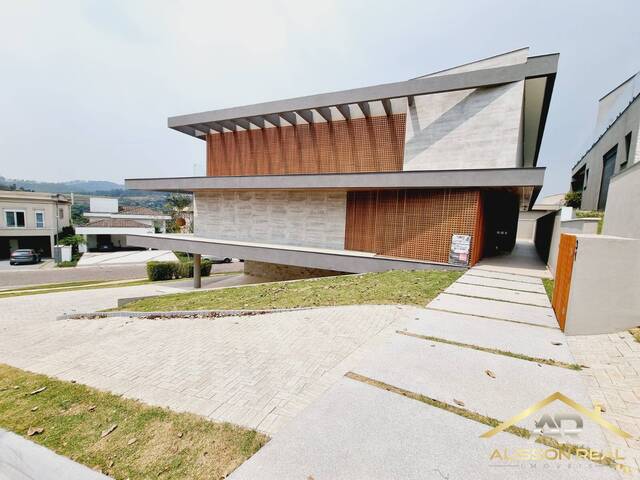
(87, 86)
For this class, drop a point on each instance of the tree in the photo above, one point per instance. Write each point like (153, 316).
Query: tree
(175, 206)
(573, 199)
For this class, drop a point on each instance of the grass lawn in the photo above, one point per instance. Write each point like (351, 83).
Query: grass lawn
(395, 287)
(148, 442)
(548, 286)
(87, 285)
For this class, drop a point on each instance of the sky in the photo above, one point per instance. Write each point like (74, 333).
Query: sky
(87, 86)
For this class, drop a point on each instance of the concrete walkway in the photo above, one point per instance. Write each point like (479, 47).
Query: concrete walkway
(21, 459)
(360, 429)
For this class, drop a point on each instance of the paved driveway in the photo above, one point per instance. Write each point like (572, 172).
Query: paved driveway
(255, 371)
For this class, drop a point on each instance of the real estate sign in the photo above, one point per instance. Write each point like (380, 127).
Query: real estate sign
(459, 251)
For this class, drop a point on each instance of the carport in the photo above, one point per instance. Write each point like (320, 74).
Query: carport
(41, 243)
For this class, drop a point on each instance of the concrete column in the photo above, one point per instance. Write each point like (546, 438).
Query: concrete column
(197, 282)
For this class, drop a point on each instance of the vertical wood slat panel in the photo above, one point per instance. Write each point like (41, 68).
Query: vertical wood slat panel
(564, 271)
(414, 224)
(374, 144)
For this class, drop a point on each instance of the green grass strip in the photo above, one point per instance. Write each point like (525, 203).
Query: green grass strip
(505, 353)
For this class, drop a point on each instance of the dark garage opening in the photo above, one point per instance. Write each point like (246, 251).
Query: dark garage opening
(41, 244)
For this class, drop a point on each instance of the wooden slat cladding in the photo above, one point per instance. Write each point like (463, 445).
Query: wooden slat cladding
(374, 144)
(414, 224)
(564, 271)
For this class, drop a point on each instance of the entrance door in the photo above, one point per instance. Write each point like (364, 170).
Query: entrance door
(564, 270)
(13, 244)
(608, 167)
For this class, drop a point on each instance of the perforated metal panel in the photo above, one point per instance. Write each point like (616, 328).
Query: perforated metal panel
(414, 224)
(374, 144)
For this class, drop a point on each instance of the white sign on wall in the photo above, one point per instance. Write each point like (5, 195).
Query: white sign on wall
(460, 249)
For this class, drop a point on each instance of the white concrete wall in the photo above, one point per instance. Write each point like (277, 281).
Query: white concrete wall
(622, 215)
(587, 226)
(603, 297)
(527, 224)
(103, 205)
(305, 218)
(477, 128)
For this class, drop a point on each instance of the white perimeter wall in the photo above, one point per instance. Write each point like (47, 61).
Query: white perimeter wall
(622, 215)
(311, 219)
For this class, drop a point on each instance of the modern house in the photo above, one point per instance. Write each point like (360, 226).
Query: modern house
(614, 147)
(425, 173)
(32, 220)
(109, 224)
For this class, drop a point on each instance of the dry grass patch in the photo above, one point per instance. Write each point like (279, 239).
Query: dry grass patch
(148, 442)
(394, 287)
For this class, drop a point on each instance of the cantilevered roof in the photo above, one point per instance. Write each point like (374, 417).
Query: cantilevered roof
(386, 99)
(526, 182)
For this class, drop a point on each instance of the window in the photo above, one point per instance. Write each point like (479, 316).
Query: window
(14, 218)
(586, 179)
(60, 213)
(627, 144)
(39, 219)
(608, 168)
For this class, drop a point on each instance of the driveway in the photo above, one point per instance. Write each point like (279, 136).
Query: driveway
(126, 257)
(256, 371)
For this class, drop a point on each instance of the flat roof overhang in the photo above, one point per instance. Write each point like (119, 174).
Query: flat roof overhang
(339, 260)
(527, 182)
(386, 99)
(471, 178)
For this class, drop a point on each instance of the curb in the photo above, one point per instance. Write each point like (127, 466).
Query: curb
(176, 314)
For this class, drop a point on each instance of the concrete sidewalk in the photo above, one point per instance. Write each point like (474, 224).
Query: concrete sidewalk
(21, 459)
(479, 352)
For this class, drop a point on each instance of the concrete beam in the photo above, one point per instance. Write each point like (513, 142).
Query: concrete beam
(365, 108)
(534, 67)
(289, 117)
(345, 111)
(386, 104)
(479, 178)
(339, 260)
(307, 115)
(324, 112)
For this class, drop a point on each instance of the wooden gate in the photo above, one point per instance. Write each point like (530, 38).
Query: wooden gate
(564, 269)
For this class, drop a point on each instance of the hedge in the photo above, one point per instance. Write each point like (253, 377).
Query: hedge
(170, 270)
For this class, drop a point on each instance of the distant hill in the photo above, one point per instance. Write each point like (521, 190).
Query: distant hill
(75, 186)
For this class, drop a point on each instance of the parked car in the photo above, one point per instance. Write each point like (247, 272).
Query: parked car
(215, 259)
(24, 255)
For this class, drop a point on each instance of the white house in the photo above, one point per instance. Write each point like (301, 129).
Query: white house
(109, 224)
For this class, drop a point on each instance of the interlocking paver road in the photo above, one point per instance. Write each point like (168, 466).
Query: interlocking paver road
(257, 371)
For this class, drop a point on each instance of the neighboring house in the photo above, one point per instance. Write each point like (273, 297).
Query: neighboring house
(374, 178)
(614, 148)
(109, 224)
(32, 220)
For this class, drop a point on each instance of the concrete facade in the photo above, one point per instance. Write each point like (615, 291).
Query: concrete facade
(478, 128)
(622, 215)
(304, 218)
(590, 167)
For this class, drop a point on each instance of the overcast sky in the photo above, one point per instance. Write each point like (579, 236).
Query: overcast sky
(87, 86)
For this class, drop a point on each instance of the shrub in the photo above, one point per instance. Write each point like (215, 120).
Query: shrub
(169, 270)
(573, 199)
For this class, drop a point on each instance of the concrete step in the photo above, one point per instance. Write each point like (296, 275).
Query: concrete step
(357, 431)
(480, 291)
(495, 309)
(477, 272)
(511, 337)
(449, 373)
(508, 284)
